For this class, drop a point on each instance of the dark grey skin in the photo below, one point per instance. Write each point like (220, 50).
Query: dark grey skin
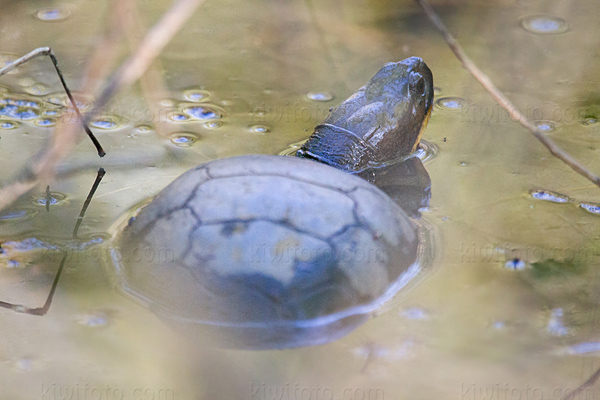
(381, 123)
(263, 251)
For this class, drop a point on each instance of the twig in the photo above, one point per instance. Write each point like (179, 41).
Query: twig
(88, 200)
(503, 101)
(590, 382)
(150, 47)
(152, 82)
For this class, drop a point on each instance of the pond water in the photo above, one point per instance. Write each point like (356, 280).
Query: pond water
(508, 309)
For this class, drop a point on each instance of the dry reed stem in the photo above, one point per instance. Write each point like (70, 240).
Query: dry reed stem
(503, 101)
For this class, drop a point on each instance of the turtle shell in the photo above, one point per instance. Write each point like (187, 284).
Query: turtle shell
(267, 251)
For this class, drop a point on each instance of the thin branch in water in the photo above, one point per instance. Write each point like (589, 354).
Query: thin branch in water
(48, 198)
(99, 177)
(39, 311)
(503, 101)
(47, 51)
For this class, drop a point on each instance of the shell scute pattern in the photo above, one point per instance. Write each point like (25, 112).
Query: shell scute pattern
(312, 246)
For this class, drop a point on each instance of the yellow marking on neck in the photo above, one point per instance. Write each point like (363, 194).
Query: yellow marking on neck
(423, 126)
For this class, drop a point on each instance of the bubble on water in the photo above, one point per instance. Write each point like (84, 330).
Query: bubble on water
(45, 122)
(19, 109)
(544, 24)
(547, 195)
(9, 125)
(52, 198)
(213, 124)
(450, 103)
(107, 122)
(25, 113)
(167, 103)
(52, 14)
(258, 128)
(546, 126)
(319, 96)
(178, 117)
(144, 128)
(204, 112)
(437, 90)
(196, 95)
(589, 121)
(183, 139)
(591, 208)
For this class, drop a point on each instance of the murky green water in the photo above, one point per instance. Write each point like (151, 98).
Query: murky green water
(255, 78)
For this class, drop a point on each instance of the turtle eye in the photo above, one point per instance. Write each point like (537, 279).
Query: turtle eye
(417, 83)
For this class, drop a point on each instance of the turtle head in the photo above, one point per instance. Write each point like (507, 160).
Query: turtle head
(381, 122)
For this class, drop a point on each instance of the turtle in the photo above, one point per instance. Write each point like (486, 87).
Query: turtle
(266, 251)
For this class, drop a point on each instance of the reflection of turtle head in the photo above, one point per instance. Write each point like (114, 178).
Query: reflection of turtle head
(380, 123)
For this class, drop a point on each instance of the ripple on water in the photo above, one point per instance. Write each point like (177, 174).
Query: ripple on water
(16, 215)
(52, 198)
(450, 103)
(319, 96)
(52, 14)
(292, 148)
(183, 139)
(544, 24)
(427, 151)
(547, 195)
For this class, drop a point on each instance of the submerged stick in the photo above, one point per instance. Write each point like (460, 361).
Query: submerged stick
(503, 101)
